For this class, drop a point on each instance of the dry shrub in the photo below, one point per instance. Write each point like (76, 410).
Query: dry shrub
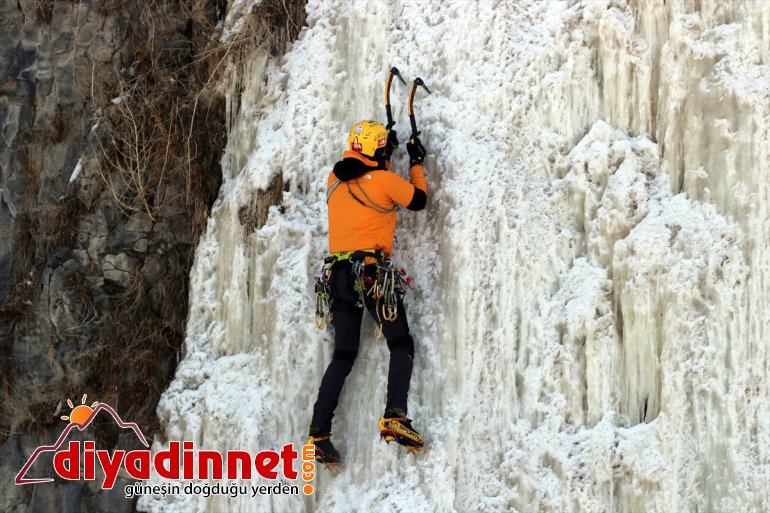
(43, 10)
(160, 134)
(132, 353)
(109, 7)
(283, 21)
(6, 369)
(52, 224)
(159, 150)
(80, 290)
(254, 216)
(42, 226)
(159, 128)
(14, 315)
(21, 412)
(45, 222)
(58, 129)
(136, 138)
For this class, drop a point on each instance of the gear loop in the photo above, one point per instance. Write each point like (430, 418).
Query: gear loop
(323, 295)
(378, 284)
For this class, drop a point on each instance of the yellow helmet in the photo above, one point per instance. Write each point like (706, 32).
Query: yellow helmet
(366, 137)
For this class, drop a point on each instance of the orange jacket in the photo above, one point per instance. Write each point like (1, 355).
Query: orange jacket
(362, 199)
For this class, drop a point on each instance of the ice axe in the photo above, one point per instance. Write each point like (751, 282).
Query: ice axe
(392, 73)
(416, 83)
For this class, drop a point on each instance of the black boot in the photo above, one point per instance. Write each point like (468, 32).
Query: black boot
(325, 452)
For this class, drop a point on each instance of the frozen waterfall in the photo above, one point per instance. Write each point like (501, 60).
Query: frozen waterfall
(590, 306)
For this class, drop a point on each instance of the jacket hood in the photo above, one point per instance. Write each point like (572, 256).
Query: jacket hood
(354, 165)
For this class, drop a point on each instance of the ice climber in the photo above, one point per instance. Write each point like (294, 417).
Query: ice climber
(362, 195)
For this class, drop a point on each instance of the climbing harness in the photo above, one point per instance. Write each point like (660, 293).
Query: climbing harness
(323, 284)
(383, 288)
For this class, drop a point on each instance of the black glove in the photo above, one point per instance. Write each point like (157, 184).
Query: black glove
(392, 143)
(416, 151)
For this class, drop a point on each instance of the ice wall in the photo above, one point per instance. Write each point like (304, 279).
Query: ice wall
(591, 270)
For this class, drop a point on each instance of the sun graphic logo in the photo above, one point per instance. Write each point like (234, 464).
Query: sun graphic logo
(81, 413)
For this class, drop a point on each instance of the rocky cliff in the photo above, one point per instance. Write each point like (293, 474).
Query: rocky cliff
(111, 130)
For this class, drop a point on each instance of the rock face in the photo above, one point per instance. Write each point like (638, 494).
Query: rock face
(96, 228)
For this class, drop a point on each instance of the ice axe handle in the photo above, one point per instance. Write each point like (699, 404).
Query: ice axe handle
(392, 73)
(417, 82)
(415, 132)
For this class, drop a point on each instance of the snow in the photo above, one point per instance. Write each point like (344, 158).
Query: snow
(592, 269)
(238, 12)
(76, 172)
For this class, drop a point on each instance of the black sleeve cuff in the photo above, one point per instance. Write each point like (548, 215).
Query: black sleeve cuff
(418, 200)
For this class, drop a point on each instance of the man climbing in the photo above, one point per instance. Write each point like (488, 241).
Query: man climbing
(362, 195)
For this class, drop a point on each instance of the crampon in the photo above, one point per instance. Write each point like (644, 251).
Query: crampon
(325, 452)
(400, 430)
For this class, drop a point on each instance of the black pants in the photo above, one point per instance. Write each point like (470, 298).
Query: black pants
(347, 335)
